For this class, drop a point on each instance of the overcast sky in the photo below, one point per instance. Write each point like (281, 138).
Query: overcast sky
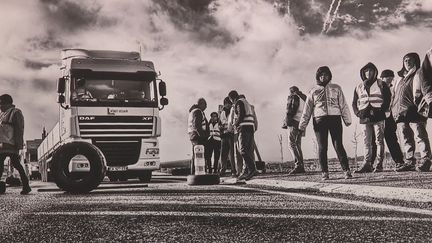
(206, 48)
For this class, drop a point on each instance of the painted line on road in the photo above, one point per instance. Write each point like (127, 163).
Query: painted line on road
(347, 201)
(229, 215)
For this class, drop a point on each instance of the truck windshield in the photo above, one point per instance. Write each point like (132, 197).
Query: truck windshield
(97, 92)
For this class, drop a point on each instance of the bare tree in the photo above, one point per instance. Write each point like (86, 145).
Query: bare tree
(316, 153)
(355, 141)
(280, 138)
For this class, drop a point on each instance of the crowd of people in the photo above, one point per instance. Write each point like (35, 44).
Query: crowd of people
(382, 107)
(229, 133)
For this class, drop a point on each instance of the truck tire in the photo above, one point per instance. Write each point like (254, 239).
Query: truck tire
(60, 167)
(209, 179)
(145, 176)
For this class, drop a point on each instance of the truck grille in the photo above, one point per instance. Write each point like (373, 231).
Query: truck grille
(115, 126)
(119, 152)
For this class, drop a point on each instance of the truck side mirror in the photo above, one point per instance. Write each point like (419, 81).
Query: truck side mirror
(164, 101)
(61, 85)
(162, 88)
(61, 99)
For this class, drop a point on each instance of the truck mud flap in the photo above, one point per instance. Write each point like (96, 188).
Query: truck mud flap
(2, 187)
(86, 182)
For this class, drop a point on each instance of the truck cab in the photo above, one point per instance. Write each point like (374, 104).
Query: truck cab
(108, 99)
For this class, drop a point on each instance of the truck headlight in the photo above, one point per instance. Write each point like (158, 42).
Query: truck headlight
(152, 151)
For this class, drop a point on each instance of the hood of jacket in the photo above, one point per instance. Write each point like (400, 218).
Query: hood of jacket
(193, 107)
(301, 95)
(323, 69)
(416, 58)
(369, 81)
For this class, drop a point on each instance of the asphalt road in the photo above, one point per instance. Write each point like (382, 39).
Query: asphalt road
(168, 210)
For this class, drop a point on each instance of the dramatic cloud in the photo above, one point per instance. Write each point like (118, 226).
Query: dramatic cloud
(207, 48)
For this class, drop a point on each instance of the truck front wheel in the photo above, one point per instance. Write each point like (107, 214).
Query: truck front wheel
(68, 180)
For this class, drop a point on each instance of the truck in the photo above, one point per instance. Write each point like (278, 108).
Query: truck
(108, 120)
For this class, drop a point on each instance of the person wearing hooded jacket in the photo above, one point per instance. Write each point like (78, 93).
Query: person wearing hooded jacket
(294, 109)
(371, 101)
(12, 138)
(227, 137)
(198, 126)
(327, 105)
(409, 91)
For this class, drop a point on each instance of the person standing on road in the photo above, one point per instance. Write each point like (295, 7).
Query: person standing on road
(227, 137)
(245, 124)
(213, 143)
(326, 103)
(371, 101)
(12, 138)
(294, 109)
(390, 125)
(198, 126)
(409, 91)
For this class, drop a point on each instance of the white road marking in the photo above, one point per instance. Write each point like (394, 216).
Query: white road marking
(228, 215)
(347, 201)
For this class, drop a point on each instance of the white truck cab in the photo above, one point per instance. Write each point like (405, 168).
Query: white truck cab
(109, 100)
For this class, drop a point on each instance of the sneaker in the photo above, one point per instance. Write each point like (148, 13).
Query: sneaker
(250, 175)
(26, 190)
(242, 176)
(408, 166)
(297, 170)
(425, 166)
(325, 176)
(398, 165)
(378, 168)
(348, 174)
(366, 168)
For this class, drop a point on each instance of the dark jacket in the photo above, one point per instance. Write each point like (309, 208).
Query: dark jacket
(372, 114)
(197, 124)
(293, 103)
(18, 133)
(404, 103)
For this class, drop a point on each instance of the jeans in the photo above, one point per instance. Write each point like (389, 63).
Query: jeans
(227, 151)
(212, 148)
(322, 127)
(409, 136)
(369, 130)
(15, 161)
(294, 138)
(391, 140)
(246, 147)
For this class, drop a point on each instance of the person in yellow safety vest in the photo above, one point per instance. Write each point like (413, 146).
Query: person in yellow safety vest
(370, 103)
(245, 124)
(12, 138)
(213, 143)
(295, 104)
(198, 126)
(227, 139)
(238, 157)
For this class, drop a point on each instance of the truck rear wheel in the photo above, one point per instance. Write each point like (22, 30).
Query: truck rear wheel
(86, 181)
(145, 176)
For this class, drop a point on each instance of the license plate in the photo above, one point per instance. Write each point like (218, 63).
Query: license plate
(117, 168)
